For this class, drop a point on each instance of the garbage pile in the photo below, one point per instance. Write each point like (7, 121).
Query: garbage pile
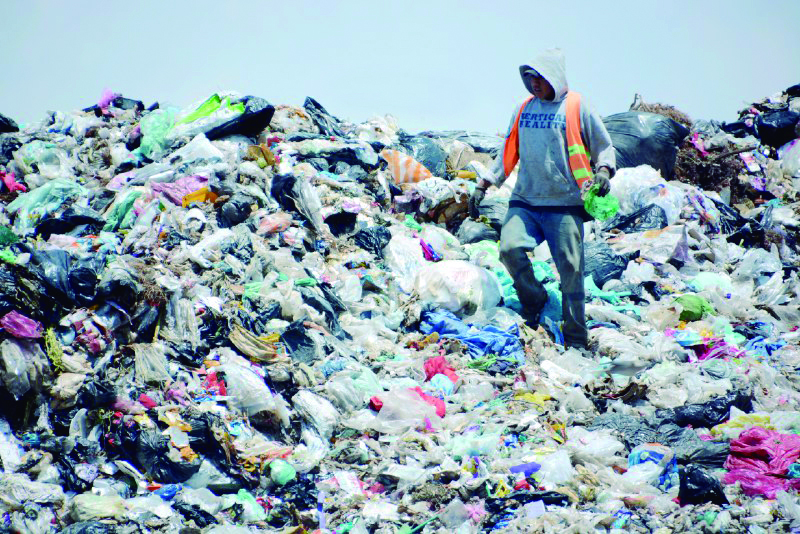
(243, 317)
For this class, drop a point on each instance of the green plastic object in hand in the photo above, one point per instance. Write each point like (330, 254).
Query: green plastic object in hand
(601, 208)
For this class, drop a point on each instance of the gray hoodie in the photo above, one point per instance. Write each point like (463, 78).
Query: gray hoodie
(544, 177)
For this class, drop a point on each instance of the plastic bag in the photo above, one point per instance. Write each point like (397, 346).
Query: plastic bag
(404, 257)
(85, 507)
(318, 411)
(250, 393)
(427, 152)
(328, 124)
(154, 127)
(150, 363)
(161, 461)
(650, 217)
(602, 263)
(473, 232)
(373, 239)
(34, 206)
(699, 487)
(20, 326)
(24, 366)
(256, 116)
(402, 410)
(458, 286)
(759, 461)
(601, 208)
(776, 128)
(642, 138)
(46, 159)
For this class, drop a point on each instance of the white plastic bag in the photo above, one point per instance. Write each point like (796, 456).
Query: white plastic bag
(458, 286)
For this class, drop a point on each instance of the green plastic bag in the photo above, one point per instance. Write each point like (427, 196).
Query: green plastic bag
(281, 472)
(37, 204)
(120, 213)
(694, 307)
(155, 127)
(211, 105)
(601, 208)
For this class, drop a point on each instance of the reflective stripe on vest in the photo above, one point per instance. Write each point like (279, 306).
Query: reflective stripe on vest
(578, 157)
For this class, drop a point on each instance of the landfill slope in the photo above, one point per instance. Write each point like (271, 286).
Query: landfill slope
(240, 316)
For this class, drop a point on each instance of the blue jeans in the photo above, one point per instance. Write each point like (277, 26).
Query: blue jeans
(523, 230)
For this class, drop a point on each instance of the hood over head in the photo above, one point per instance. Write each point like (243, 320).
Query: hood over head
(552, 67)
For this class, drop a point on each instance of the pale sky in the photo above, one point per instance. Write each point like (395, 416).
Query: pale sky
(433, 65)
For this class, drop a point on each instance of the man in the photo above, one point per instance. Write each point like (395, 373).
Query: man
(546, 203)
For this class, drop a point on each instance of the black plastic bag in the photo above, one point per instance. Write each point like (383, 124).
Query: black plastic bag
(302, 348)
(257, 116)
(690, 449)
(642, 138)
(7, 124)
(495, 210)
(84, 220)
(328, 124)
(341, 223)
(144, 321)
(282, 190)
(53, 268)
(426, 151)
(687, 445)
(602, 263)
(8, 145)
(650, 217)
(319, 303)
(152, 455)
(699, 487)
(120, 286)
(24, 289)
(373, 239)
(236, 210)
(776, 128)
(473, 232)
(194, 513)
(707, 414)
(96, 394)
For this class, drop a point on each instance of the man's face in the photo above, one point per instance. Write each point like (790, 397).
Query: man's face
(542, 88)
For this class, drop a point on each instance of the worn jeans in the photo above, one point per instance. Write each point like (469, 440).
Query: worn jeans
(523, 230)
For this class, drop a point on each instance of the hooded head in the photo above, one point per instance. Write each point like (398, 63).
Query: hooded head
(550, 65)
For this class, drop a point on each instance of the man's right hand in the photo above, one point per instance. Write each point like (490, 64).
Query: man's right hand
(475, 200)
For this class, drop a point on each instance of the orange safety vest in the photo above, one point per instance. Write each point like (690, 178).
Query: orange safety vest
(578, 157)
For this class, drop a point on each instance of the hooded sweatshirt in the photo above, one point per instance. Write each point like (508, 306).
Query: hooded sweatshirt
(544, 177)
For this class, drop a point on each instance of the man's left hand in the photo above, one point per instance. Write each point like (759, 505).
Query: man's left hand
(602, 179)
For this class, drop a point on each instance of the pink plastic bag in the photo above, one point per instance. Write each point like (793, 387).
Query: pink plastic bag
(433, 401)
(181, 187)
(439, 365)
(20, 326)
(759, 460)
(10, 181)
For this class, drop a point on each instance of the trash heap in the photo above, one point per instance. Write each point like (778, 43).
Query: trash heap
(240, 317)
